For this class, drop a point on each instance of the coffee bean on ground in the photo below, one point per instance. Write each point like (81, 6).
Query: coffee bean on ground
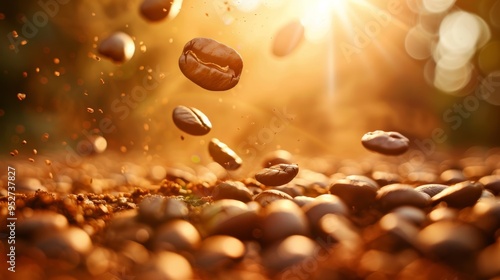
(119, 47)
(387, 143)
(218, 252)
(396, 195)
(277, 157)
(176, 235)
(210, 64)
(431, 189)
(283, 218)
(355, 190)
(492, 183)
(268, 196)
(277, 175)
(223, 155)
(232, 190)
(460, 195)
(157, 10)
(191, 120)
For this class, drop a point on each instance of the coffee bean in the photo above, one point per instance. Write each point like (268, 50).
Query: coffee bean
(355, 190)
(157, 209)
(277, 157)
(164, 265)
(40, 222)
(341, 230)
(460, 195)
(125, 226)
(322, 205)
(395, 195)
(283, 218)
(68, 245)
(157, 10)
(486, 216)
(277, 175)
(392, 233)
(210, 64)
(176, 235)
(443, 214)
(411, 214)
(232, 190)
(288, 38)
(385, 178)
(223, 155)
(268, 196)
(284, 253)
(119, 47)
(191, 120)
(302, 200)
(388, 143)
(488, 262)
(491, 183)
(431, 189)
(219, 252)
(452, 176)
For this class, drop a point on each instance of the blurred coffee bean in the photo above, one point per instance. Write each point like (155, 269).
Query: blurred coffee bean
(291, 189)
(157, 10)
(340, 229)
(268, 196)
(40, 221)
(424, 269)
(474, 172)
(431, 189)
(277, 175)
(302, 200)
(277, 157)
(452, 176)
(288, 38)
(156, 209)
(486, 216)
(491, 183)
(355, 190)
(165, 265)
(411, 214)
(485, 194)
(69, 245)
(395, 195)
(218, 252)
(223, 155)
(385, 178)
(99, 260)
(451, 242)
(387, 143)
(29, 185)
(392, 233)
(283, 218)
(322, 205)
(118, 47)
(180, 175)
(191, 120)
(288, 252)
(176, 235)
(460, 195)
(232, 190)
(488, 261)
(443, 214)
(124, 227)
(230, 217)
(210, 64)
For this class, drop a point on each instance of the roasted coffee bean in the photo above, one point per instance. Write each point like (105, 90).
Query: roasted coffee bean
(355, 190)
(431, 189)
(176, 235)
(385, 178)
(341, 230)
(268, 196)
(284, 253)
(411, 214)
(486, 216)
(288, 38)
(191, 120)
(451, 242)
(283, 218)
(302, 200)
(488, 261)
(164, 265)
(40, 222)
(277, 175)
(322, 205)
(387, 143)
(119, 47)
(443, 214)
(157, 209)
(210, 64)
(223, 155)
(460, 195)
(232, 190)
(156, 10)
(452, 176)
(491, 183)
(68, 245)
(125, 226)
(392, 233)
(218, 252)
(396, 195)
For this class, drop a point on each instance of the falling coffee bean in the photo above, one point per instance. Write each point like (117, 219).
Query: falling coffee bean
(288, 38)
(119, 47)
(157, 10)
(388, 143)
(277, 175)
(223, 155)
(191, 120)
(210, 64)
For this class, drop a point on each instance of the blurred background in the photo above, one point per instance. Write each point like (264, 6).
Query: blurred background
(419, 67)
